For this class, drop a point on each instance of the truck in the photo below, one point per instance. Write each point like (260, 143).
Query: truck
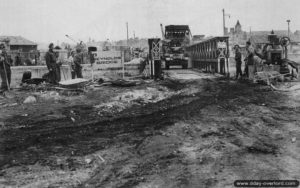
(175, 40)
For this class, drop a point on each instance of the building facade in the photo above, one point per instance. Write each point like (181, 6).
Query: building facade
(25, 49)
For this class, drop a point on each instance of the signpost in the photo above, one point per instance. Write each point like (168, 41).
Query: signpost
(222, 48)
(154, 57)
(108, 59)
(155, 51)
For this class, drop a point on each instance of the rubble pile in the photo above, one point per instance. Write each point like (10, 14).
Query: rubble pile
(138, 96)
(267, 77)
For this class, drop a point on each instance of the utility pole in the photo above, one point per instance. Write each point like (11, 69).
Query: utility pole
(127, 31)
(288, 21)
(224, 28)
(223, 22)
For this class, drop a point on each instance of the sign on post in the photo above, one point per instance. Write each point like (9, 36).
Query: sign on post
(221, 45)
(154, 56)
(107, 59)
(155, 51)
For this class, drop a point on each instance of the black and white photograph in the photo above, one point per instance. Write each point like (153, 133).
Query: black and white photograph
(149, 93)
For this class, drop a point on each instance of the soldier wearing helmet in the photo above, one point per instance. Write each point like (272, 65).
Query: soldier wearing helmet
(5, 71)
(51, 64)
(78, 60)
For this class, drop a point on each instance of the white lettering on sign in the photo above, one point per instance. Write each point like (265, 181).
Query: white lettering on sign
(107, 59)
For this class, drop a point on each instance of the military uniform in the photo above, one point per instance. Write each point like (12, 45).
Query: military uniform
(18, 61)
(72, 66)
(77, 63)
(238, 65)
(5, 71)
(52, 67)
(249, 58)
(250, 55)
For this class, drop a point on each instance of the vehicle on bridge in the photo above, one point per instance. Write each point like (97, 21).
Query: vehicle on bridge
(210, 55)
(175, 40)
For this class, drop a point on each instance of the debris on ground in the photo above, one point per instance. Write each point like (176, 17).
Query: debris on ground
(123, 83)
(127, 99)
(8, 94)
(49, 95)
(29, 99)
(73, 83)
(171, 133)
(35, 81)
(267, 77)
(285, 89)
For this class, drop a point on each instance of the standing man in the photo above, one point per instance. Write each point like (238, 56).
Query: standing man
(72, 65)
(51, 64)
(77, 62)
(249, 60)
(238, 61)
(58, 64)
(5, 71)
(18, 60)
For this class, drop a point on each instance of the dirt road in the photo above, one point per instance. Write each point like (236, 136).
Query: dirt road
(208, 133)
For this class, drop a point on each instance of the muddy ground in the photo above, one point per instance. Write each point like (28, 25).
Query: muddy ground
(194, 133)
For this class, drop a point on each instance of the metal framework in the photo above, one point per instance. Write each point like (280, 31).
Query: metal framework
(210, 55)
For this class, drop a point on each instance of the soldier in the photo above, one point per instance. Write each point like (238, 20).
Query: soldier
(78, 62)
(5, 71)
(58, 65)
(72, 65)
(249, 60)
(51, 64)
(18, 60)
(238, 61)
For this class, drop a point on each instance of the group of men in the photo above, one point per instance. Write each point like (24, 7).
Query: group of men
(75, 61)
(53, 65)
(249, 60)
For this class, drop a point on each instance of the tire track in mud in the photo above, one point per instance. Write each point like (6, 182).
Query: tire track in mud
(132, 127)
(63, 132)
(83, 139)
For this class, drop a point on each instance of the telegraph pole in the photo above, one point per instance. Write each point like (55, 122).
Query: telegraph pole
(223, 22)
(127, 31)
(288, 21)
(224, 15)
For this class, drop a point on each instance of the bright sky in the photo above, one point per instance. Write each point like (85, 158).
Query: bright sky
(50, 20)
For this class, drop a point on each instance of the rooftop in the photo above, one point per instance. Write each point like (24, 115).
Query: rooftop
(17, 40)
